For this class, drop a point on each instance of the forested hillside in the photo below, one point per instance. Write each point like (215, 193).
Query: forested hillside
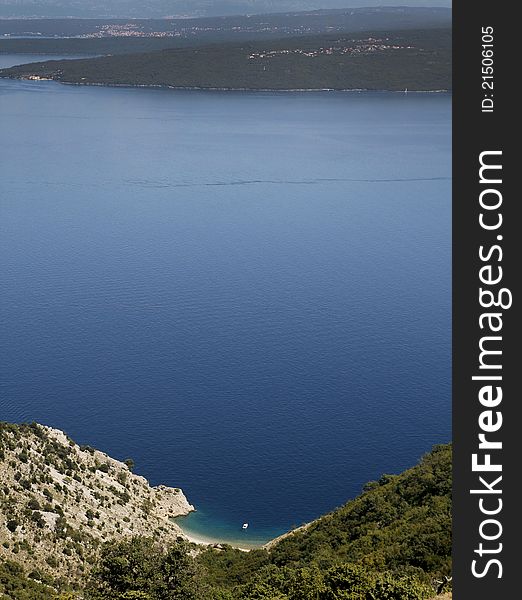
(413, 60)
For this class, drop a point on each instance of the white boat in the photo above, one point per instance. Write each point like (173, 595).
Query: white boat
(245, 525)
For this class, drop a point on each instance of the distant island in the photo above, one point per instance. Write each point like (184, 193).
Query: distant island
(410, 59)
(77, 524)
(83, 36)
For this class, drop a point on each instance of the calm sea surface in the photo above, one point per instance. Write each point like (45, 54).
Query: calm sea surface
(247, 293)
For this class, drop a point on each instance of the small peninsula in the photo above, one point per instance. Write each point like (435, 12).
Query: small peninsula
(413, 60)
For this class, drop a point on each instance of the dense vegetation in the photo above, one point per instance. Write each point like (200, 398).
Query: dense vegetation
(414, 59)
(393, 542)
(399, 522)
(397, 535)
(16, 585)
(91, 46)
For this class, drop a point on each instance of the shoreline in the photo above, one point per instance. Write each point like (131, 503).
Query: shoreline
(240, 540)
(201, 540)
(225, 89)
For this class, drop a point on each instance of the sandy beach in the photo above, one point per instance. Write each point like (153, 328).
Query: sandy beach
(202, 540)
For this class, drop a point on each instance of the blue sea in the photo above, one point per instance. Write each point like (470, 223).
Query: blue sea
(246, 293)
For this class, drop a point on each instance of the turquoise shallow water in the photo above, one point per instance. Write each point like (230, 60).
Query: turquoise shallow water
(248, 294)
(206, 528)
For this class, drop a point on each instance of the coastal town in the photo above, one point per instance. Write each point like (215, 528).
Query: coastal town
(173, 29)
(367, 46)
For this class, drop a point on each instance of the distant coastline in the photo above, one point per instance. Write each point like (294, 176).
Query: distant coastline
(226, 89)
(241, 89)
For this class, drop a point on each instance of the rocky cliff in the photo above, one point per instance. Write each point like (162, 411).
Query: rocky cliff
(60, 501)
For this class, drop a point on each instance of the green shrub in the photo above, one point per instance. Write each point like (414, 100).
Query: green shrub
(12, 524)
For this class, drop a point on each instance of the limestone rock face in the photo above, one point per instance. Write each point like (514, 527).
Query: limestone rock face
(60, 501)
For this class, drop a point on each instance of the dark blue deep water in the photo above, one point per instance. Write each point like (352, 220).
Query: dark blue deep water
(248, 294)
